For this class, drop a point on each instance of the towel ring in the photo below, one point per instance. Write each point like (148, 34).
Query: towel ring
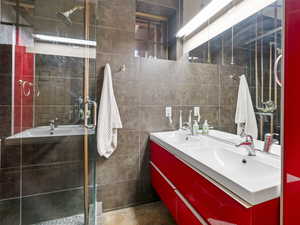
(23, 84)
(276, 71)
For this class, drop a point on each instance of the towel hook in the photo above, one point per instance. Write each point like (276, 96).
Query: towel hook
(234, 77)
(122, 68)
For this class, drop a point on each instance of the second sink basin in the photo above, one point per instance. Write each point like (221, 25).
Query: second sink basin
(44, 131)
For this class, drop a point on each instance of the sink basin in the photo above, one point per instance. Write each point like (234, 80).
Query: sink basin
(179, 138)
(242, 169)
(235, 139)
(255, 179)
(44, 131)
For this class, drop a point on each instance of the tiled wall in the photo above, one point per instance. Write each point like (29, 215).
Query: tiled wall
(142, 93)
(42, 178)
(52, 171)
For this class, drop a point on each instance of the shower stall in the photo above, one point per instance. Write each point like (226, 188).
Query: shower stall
(48, 112)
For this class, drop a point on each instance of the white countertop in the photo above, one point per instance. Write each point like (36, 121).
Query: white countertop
(255, 182)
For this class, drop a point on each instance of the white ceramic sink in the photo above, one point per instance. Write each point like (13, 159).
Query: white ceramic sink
(275, 149)
(255, 179)
(44, 131)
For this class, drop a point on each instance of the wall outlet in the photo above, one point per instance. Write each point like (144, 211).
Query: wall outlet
(196, 111)
(168, 111)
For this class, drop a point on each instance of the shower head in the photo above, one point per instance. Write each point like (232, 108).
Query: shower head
(65, 16)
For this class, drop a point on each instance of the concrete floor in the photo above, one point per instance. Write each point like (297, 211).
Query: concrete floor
(148, 214)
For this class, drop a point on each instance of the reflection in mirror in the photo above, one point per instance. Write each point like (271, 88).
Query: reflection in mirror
(255, 45)
(155, 27)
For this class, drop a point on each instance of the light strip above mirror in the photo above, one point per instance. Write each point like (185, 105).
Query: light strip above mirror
(204, 15)
(63, 40)
(230, 18)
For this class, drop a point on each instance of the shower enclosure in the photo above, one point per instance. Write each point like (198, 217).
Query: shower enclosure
(47, 112)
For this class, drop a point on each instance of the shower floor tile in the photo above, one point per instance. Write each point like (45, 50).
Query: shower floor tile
(73, 220)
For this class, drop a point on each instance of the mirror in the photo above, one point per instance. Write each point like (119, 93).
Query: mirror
(252, 48)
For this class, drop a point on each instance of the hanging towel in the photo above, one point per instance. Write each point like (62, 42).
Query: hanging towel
(244, 110)
(109, 120)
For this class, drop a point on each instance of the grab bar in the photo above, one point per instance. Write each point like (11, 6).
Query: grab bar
(92, 126)
(276, 70)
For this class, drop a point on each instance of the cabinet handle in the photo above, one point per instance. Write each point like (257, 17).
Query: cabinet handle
(191, 208)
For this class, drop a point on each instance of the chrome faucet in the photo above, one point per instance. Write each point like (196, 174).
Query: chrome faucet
(269, 141)
(249, 144)
(186, 125)
(53, 124)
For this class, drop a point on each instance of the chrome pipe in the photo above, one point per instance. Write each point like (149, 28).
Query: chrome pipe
(222, 53)
(262, 70)
(264, 35)
(232, 50)
(256, 64)
(271, 71)
(87, 20)
(275, 53)
(208, 53)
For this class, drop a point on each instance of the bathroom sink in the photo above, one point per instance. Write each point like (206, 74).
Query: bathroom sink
(44, 131)
(235, 139)
(179, 137)
(255, 179)
(242, 169)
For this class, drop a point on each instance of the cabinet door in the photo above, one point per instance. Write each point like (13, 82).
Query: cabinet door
(164, 190)
(185, 214)
(211, 202)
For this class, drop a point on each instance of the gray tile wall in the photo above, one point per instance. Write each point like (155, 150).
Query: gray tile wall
(142, 93)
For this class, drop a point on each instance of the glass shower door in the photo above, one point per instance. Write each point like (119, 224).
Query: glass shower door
(47, 171)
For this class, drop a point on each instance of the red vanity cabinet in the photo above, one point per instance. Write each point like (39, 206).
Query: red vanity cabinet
(208, 200)
(164, 190)
(177, 207)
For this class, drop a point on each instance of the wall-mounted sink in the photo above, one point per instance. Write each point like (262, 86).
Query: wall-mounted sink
(44, 132)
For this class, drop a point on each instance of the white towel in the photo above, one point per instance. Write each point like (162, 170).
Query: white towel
(109, 120)
(244, 110)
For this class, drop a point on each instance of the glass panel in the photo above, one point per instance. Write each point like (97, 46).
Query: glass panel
(42, 113)
(10, 150)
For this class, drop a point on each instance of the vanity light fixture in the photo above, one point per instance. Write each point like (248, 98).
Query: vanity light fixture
(63, 40)
(230, 18)
(204, 15)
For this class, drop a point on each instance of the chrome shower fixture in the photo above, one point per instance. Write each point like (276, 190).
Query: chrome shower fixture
(232, 46)
(65, 16)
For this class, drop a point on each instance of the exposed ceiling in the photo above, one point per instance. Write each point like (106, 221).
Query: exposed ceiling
(157, 7)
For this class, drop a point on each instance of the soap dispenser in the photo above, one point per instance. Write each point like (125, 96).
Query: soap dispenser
(205, 128)
(195, 128)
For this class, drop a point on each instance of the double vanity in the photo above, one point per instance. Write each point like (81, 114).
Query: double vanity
(208, 180)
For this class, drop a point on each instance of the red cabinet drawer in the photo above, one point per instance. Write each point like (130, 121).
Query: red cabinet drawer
(164, 190)
(211, 202)
(162, 159)
(181, 210)
(185, 216)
